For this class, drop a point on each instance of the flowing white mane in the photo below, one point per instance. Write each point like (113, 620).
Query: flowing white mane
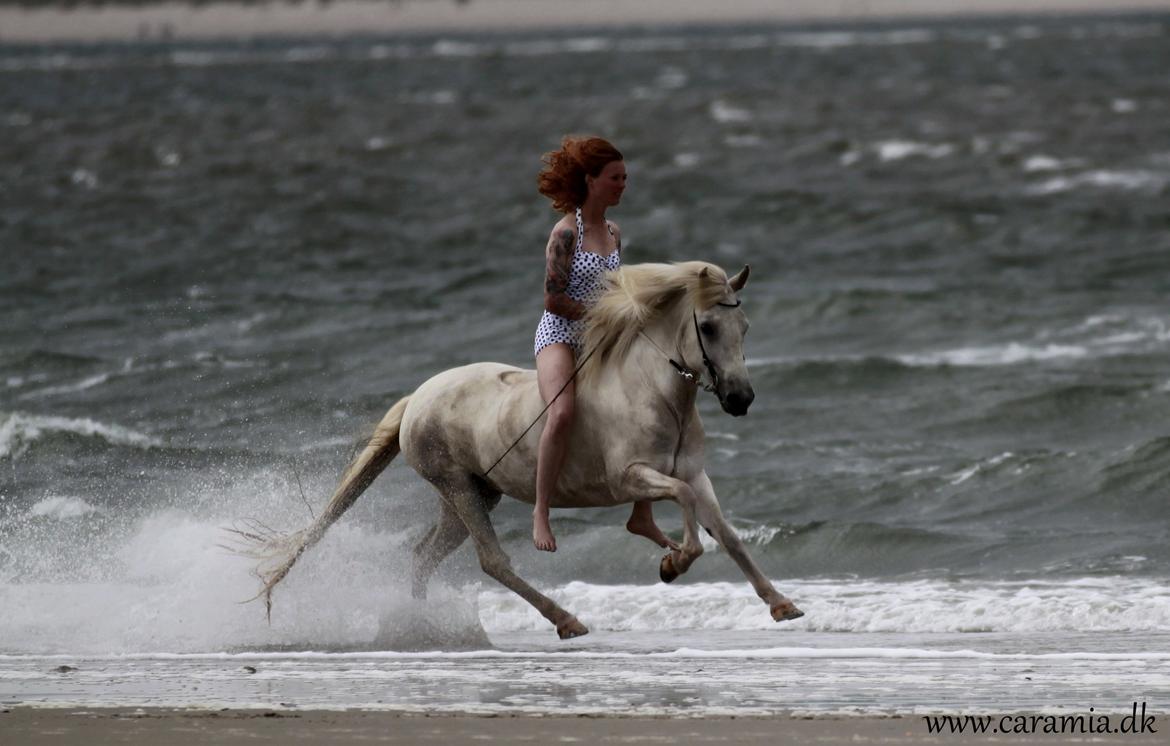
(638, 293)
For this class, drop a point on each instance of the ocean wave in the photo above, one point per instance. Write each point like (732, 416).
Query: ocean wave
(1010, 353)
(61, 508)
(896, 150)
(827, 40)
(682, 653)
(19, 431)
(1126, 181)
(1139, 469)
(1103, 335)
(165, 582)
(726, 113)
(1044, 163)
(224, 55)
(1112, 604)
(68, 388)
(823, 41)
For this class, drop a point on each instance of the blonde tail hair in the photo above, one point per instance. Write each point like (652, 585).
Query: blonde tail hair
(287, 549)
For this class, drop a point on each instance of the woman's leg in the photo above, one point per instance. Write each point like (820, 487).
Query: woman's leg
(642, 523)
(554, 366)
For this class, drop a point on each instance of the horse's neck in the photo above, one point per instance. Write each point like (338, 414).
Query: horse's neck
(645, 373)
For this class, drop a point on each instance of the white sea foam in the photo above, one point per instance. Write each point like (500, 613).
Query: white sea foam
(168, 583)
(649, 44)
(1011, 353)
(580, 45)
(312, 54)
(18, 431)
(827, 40)
(929, 606)
(1132, 180)
(451, 48)
(965, 474)
(169, 586)
(896, 150)
(61, 508)
(68, 388)
(84, 178)
(726, 113)
(1100, 335)
(672, 78)
(1037, 163)
(794, 652)
(183, 597)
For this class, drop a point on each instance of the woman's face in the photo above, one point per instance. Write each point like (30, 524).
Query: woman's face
(608, 185)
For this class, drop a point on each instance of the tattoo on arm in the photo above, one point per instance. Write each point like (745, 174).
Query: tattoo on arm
(559, 262)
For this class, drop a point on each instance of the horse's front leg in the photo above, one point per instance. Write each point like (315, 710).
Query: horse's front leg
(643, 483)
(711, 517)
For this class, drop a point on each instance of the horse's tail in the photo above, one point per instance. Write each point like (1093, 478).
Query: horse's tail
(361, 472)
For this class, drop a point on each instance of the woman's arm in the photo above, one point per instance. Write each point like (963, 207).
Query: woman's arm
(558, 263)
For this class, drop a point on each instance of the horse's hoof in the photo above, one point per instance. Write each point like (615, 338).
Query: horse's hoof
(666, 569)
(571, 628)
(786, 611)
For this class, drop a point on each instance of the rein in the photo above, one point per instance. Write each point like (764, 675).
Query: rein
(546, 406)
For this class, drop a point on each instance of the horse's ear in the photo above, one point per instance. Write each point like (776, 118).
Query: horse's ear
(738, 281)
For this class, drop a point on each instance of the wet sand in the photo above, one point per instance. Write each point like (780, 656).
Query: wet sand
(93, 727)
(176, 20)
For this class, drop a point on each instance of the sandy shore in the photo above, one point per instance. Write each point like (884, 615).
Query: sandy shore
(93, 727)
(174, 20)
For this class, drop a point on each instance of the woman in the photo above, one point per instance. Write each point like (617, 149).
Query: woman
(583, 179)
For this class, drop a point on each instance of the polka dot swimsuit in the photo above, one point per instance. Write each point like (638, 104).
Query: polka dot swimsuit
(584, 287)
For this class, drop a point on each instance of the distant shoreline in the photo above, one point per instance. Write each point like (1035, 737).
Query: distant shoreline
(188, 22)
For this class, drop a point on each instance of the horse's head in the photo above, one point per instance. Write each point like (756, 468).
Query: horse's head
(720, 330)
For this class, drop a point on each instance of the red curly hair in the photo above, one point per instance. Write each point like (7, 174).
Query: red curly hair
(563, 178)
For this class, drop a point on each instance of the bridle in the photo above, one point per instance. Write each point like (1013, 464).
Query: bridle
(689, 374)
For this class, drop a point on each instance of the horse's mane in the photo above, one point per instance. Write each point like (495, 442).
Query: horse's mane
(638, 293)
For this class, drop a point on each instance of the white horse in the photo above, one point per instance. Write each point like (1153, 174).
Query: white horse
(636, 434)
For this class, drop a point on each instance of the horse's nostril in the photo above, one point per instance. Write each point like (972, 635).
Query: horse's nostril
(738, 402)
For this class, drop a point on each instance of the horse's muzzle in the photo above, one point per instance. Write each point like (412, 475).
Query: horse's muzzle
(736, 403)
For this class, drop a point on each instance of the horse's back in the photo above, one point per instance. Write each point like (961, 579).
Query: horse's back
(453, 420)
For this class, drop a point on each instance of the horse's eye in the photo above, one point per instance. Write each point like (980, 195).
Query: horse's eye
(707, 329)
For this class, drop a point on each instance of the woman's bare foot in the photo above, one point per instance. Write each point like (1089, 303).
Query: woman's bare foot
(542, 535)
(642, 523)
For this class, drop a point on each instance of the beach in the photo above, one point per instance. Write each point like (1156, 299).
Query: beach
(194, 728)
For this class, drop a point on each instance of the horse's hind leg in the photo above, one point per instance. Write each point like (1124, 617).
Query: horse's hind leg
(443, 538)
(469, 498)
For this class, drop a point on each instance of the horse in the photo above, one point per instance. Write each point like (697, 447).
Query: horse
(636, 434)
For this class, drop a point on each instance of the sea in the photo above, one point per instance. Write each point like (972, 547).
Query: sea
(222, 261)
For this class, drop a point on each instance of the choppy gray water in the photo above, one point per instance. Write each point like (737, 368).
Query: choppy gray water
(219, 263)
